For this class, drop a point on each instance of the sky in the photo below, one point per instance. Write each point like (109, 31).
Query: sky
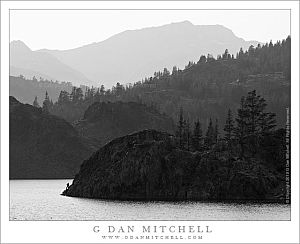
(67, 29)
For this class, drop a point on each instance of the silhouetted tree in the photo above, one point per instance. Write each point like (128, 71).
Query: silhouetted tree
(64, 98)
(216, 132)
(209, 137)
(229, 128)
(180, 128)
(202, 59)
(73, 94)
(166, 72)
(267, 123)
(254, 106)
(240, 131)
(78, 94)
(35, 103)
(253, 123)
(187, 134)
(225, 54)
(102, 90)
(197, 136)
(46, 103)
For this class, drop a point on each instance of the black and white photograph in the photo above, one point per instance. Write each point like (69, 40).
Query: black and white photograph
(148, 114)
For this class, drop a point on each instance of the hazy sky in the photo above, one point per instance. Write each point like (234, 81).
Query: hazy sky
(66, 29)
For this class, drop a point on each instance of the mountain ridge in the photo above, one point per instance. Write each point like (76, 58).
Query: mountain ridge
(23, 59)
(186, 22)
(131, 55)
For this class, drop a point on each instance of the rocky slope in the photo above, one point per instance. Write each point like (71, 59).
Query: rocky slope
(42, 145)
(106, 121)
(148, 166)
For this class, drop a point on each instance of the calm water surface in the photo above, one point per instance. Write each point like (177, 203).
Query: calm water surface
(41, 200)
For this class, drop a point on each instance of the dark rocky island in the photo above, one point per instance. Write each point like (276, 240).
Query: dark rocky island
(149, 165)
(43, 145)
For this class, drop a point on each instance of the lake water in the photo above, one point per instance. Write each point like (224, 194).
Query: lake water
(41, 200)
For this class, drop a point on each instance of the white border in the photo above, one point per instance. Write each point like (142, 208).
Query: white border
(80, 231)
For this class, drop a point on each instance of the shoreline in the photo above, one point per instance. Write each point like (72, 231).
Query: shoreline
(161, 200)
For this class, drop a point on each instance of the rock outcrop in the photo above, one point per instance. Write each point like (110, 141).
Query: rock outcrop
(148, 166)
(42, 145)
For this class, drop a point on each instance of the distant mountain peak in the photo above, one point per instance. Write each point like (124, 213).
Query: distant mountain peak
(131, 55)
(185, 22)
(24, 61)
(19, 45)
(189, 23)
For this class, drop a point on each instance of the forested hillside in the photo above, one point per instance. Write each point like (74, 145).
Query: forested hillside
(209, 87)
(42, 145)
(107, 121)
(27, 89)
(204, 89)
(246, 164)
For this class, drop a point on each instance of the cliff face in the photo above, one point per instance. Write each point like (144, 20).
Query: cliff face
(148, 166)
(42, 145)
(106, 121)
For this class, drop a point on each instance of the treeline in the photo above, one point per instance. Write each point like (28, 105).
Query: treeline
(210, 86)
(251, 133)
(268, 58)
(27, 89)
(72, 105)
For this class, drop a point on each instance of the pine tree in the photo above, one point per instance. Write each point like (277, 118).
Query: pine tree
(118, 89)
(240, 131)
(174, 71)
(209, 137)
(216, 132)
(63, 98)
(253, 123)
(255, 106)
(187, 133)
(73, 94)
(166, 72)
(102, 90)
(229, 128)
(241, 53)
(180, 129)
(97, 95)
(260, 122)
(46, 103)
(225, 54)
(197, 136)
(35, 103)
(202, 59)
(79, 94)
(267, 123)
